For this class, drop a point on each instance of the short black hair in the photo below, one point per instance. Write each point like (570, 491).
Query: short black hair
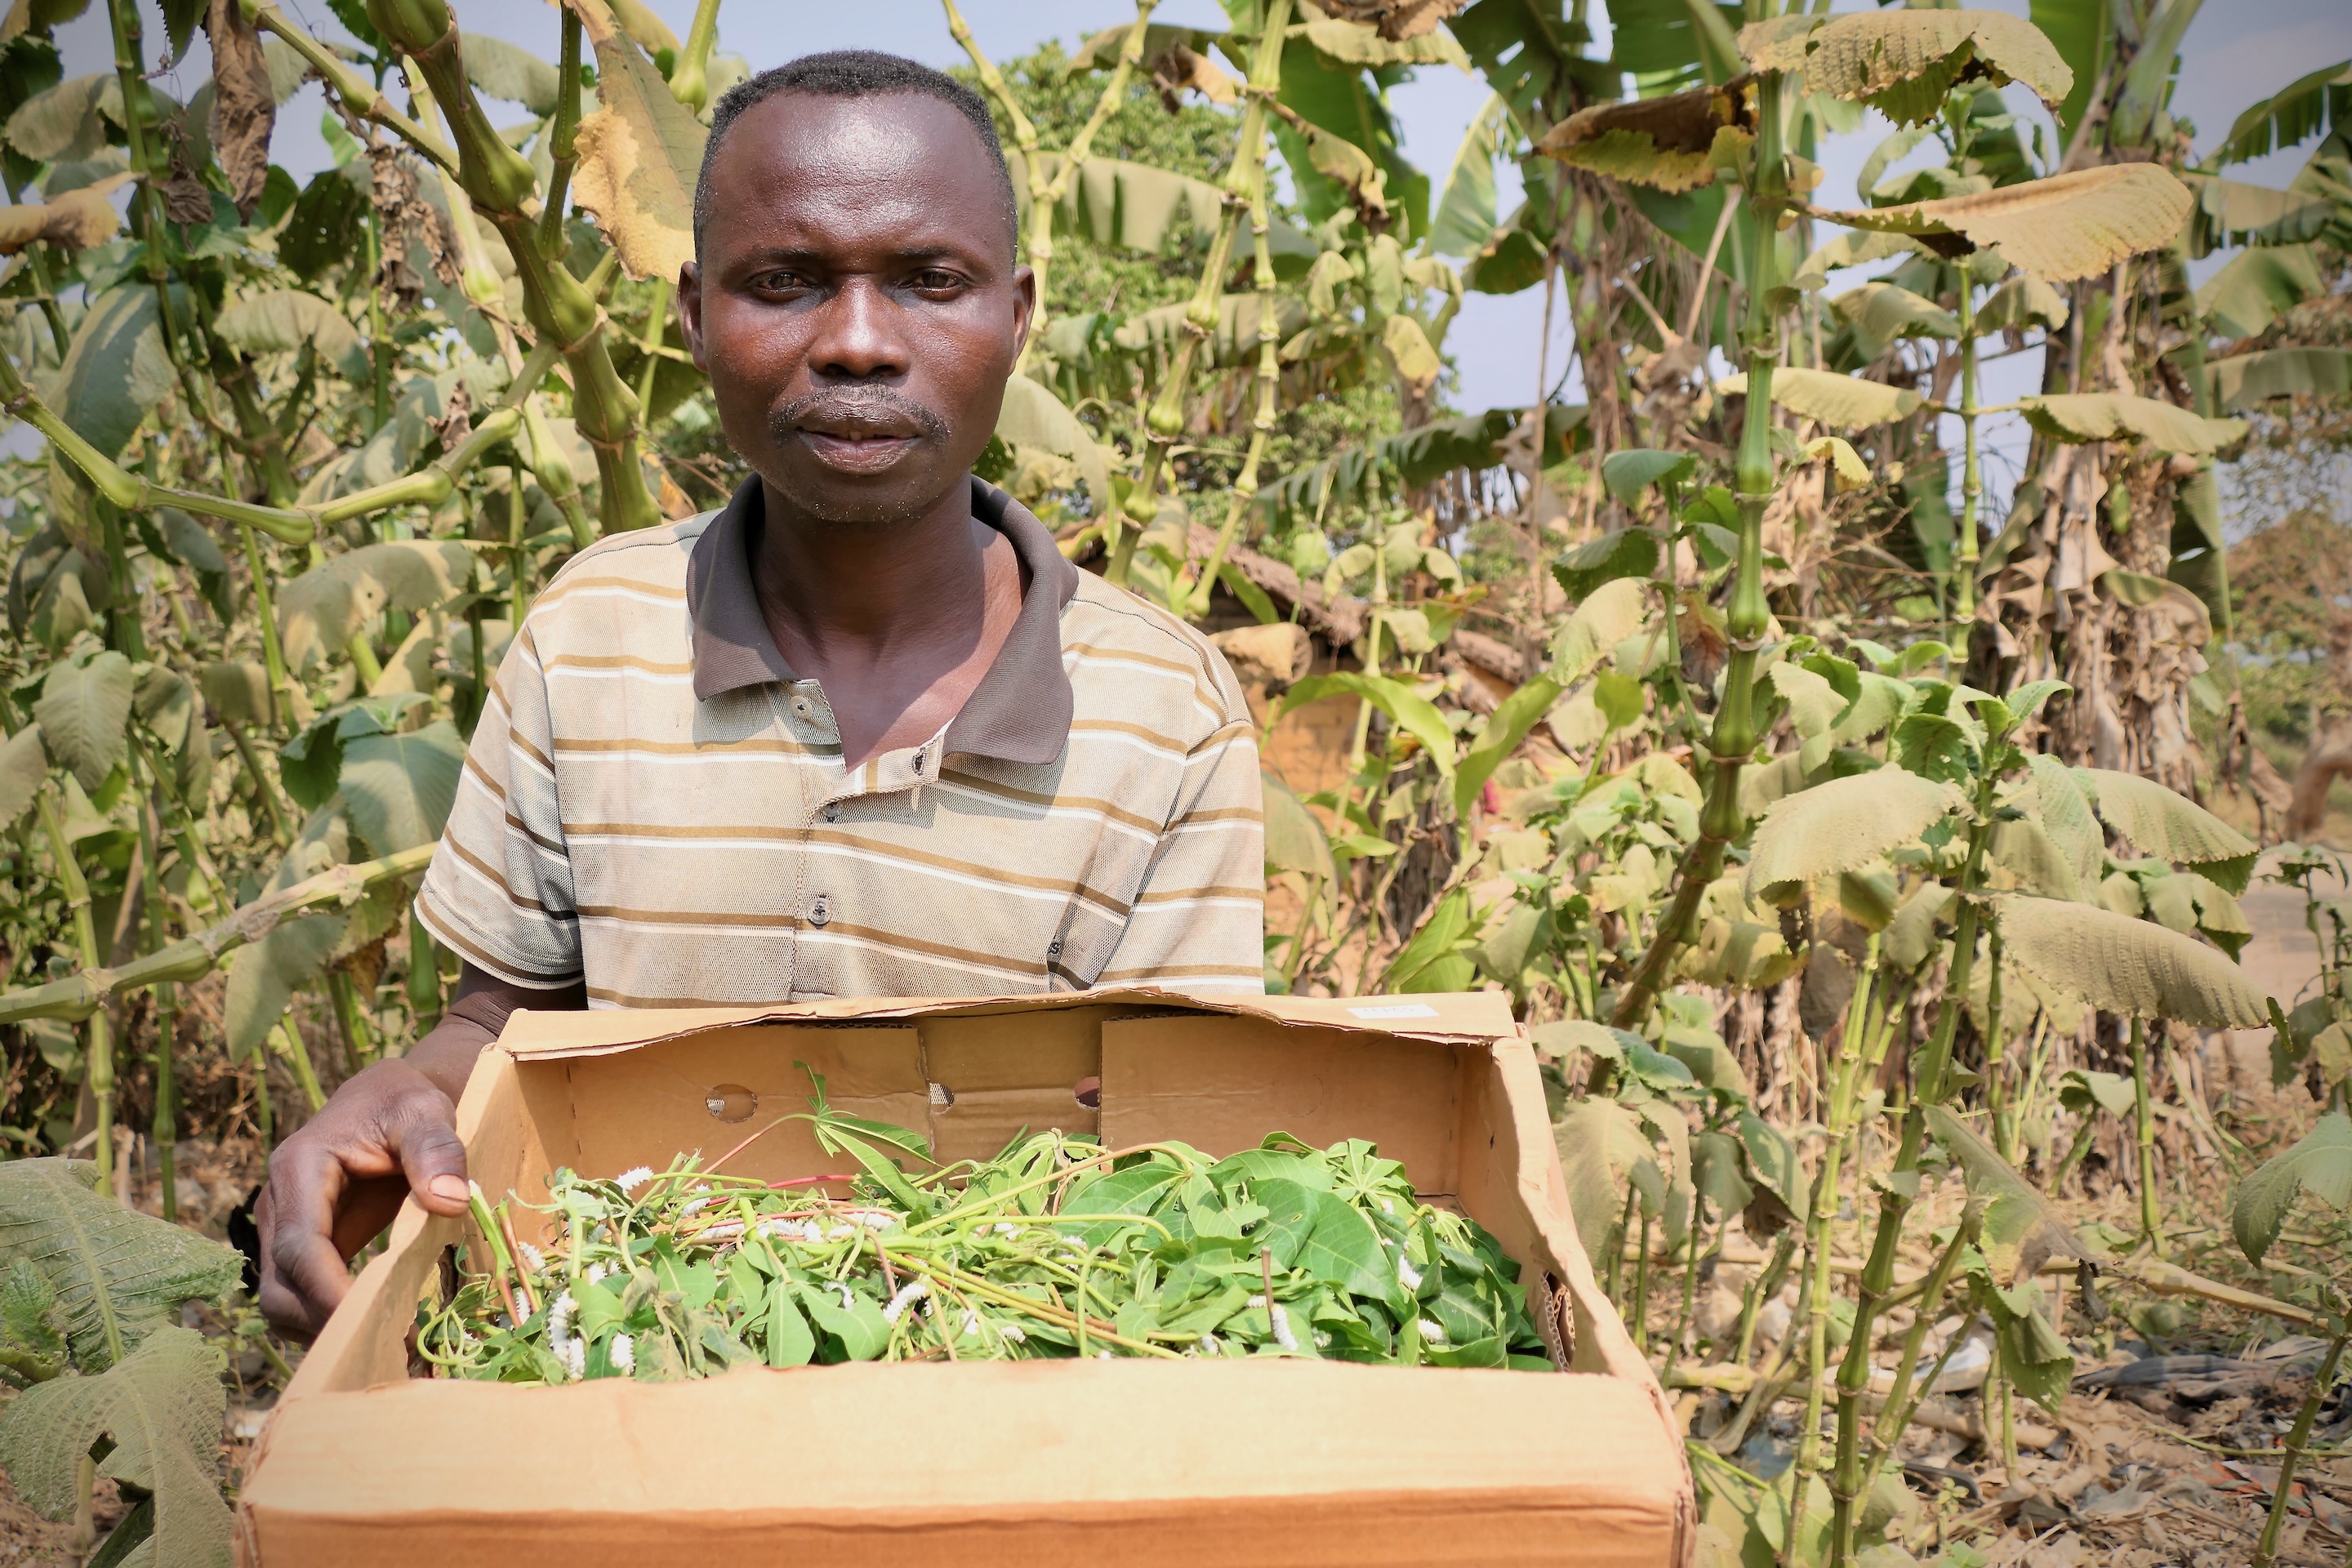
(852, 73)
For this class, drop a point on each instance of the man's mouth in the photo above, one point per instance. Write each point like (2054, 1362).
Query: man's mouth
(857, 435)
(857, 450)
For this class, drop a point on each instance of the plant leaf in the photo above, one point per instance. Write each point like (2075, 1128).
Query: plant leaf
(120, 1276)
(1631, 552)
(24, 767)
(501, 69)
(1845, 825)
(238, 690)
(1509, 725)
(398, 788)
(115, 370)
(1295, 841)
(83, 712)
(1875, 56)
(640, 154)
(319, 611)
(2020, 1229)
(164, 1408)
(2066, 226)
(2123, 416)
(74, 220)
(2129, 966)
(2241, 381)
(283, 320)
(264, 975)
(2320, 1162)
(1887, 312)
(1847, 401)
(1031, 415)
(1413, 712)
(2169, 825)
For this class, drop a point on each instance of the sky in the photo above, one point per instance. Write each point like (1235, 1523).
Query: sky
(2235, 53)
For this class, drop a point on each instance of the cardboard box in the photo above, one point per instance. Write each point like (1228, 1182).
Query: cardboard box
(1257, 1462)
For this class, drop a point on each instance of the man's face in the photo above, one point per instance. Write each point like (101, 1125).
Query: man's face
(856, 304)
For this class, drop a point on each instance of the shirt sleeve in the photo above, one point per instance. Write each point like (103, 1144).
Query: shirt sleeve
(499, 891)
(1199, 920)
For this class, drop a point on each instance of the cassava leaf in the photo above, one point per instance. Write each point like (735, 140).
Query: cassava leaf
(1031, 415)
(501, 69)
(119, 1275)
(1887, 312)
(115, 369)
(2125, 966)
(1413, 712)
(238, 690)
(163, 1406)
(2319, 1163)
(283, 320)
(74, 220)
(1509, 725)
(264, 975)
(1845, 825)
(1631, 552)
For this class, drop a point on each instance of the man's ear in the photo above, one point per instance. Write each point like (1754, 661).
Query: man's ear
(1024, 307)
(690, 310)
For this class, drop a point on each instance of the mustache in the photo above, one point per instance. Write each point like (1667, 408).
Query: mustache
(880, 409)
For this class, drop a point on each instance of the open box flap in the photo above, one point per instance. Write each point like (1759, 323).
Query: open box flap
(1453, 1017)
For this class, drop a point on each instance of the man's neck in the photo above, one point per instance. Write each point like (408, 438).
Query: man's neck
(856, 593)
(898, 622)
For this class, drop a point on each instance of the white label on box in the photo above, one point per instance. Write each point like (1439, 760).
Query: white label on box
(1398, 1010)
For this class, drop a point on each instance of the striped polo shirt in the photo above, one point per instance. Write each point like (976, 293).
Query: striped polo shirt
(655, 802)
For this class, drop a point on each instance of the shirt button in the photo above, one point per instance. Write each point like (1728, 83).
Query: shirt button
(800, 706)
(832, 811)
(820, 915)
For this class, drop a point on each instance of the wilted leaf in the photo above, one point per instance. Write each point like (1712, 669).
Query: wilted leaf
(2163, 823)
(1601, 1144)
(319, 611)
(163, 1406)
(2066, 226)
(1905, 62)
(2123, 416)
(283, 320)
(1671, 143)
(1845, 825)
(640, 154)
(1847, 402)
(1408, 347)
(82, 712)
(1294, 839)
(2125, 966)
(2319, 1163)
(244, 103)
(74, 221)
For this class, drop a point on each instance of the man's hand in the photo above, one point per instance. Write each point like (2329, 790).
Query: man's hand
(390, 1133)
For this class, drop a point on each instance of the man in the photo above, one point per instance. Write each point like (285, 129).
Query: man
(862, 732)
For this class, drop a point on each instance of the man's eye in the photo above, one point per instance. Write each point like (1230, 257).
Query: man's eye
(931, 280)
(779, 282)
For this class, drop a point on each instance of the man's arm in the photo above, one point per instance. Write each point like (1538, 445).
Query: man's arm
(389, 1133)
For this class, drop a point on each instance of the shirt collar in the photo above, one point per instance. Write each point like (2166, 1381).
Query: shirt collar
(1021, 710)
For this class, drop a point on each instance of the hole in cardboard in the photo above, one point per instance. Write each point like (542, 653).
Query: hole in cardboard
(942, 1097)
(730, 1101)
(1088, 1091)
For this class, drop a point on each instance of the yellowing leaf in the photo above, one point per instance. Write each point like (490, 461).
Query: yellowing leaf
(2066, 226)
(1673, 143)
(1851, 473)
(1408, 345)
(2163, 823)
(74, 221)
(640, 154)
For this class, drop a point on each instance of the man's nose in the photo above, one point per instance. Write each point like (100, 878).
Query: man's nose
(857, 335)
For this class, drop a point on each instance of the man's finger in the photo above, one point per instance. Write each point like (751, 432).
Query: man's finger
(432, 1157)
(303, 1275)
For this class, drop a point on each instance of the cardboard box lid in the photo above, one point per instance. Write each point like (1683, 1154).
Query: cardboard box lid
(1449, 1017)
